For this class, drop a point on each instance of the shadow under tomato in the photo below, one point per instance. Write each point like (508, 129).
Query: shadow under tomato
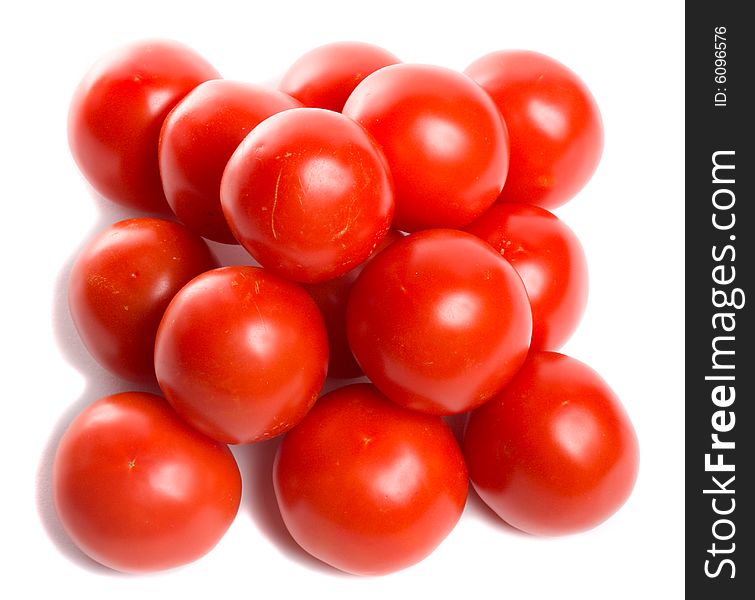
(98, 383)
(477, 509)
(44, 494)
(259, 503)
(255, 461)
(64, 331)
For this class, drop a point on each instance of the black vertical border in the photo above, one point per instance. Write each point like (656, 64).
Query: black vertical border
(710, 128)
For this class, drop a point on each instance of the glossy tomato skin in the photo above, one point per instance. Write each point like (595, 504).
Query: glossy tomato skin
(325, 76)
(444, 139)
(197, 139)
(332, 297)
(555, 128)
(308, 194)
(367, 486)
(550, 260)
(241, 354)
(555, 452)
(121, 283)
(138, 490)
(116, 114)
(439, 321)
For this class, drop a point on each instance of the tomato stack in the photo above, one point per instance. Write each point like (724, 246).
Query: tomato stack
(397, 224)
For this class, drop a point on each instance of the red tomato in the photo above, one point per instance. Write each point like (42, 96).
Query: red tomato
(549, 259)
(325, 76)
(554, 124)
(116, 114)
(197, 139)
(367, 486)
(121, 283)
(241, 354)
(554, 452)
(308, 194)
(444, 140)
(439, 321)
(331, 297)
(138, 490)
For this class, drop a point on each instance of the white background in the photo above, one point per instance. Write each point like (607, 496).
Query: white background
(630, 220)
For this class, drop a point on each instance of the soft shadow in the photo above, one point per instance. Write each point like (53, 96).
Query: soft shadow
(98, 383)
(231, 254)
(259, 502)
(477, 509)
(44, 495)
(331, 384)
(68, 341)
(255, 460)
(457, 424)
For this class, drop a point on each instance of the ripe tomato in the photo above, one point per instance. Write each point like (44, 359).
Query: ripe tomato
(554, 452)
(241, 354)
(367, 486)
(331, 297)
(121, 283)
(308, 194)
(555, 128)
(325, 76)
(444, 140)
(549, 259)
(439, 321)
(116, 114)
(138, 490)
(197, 139)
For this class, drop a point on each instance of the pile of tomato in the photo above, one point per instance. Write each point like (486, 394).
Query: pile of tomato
(400, 216)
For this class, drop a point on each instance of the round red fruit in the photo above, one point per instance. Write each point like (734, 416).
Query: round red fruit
(139, 490)
(549, 259)
(197, 139)
(439, 321)
(241, 354)
(116, 114)
(367, 486)
(325, 76)
(444, 139)
(121, 283)
(554, 124)
(308, 194)
(555, 452)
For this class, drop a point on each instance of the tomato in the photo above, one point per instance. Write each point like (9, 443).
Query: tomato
(554, 123)
(121, 283)
(367, 486)
(241, 354)
(197, 139)
(308, 194)
(549, 259)
(116, 113)
(138, 490)
(444, 140)
(331, 297)
(439, 321)
(555, 452)
(325, 76)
